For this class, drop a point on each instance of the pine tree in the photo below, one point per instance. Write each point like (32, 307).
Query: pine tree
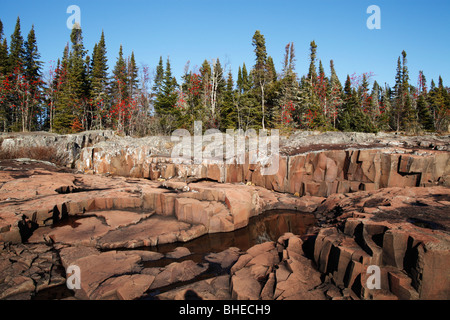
(423, 108)
(78, 79)
(32, 72)
(240, 81)
(4, 65)
(288, 97)
(167, 97)
(17, 51)
(99, 69)
(334, 94)
(271, 70)
(312, 75)
(260, 71)
(77, 68)
(398, 97)
(119, 84)
(32, 64)
(133, 74)
(246, 79)
(120, 94)
(99, 83)
(228, 116)
(409, 116)
(206, 73)
(159, 76)
(374, 107)
(63, 113)
(353, 118)
(440, 103)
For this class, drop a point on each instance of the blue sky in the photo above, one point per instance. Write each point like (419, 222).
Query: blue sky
(195, 30)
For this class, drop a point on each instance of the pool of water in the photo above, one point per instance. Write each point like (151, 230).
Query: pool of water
(268, 226)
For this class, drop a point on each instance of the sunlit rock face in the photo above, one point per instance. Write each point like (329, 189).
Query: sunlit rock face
(367, 200)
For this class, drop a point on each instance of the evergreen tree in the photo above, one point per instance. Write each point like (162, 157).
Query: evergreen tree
(159, 77)
(289, 91)
(261, 74)
(205, 73)
(167, 97)
(63, 113)
(246, 79)
(133, 74)
(312, 75)
(440, 105)
(99, 70)
(374, 107)
(423, 108)
(4, 65)
(409, 115)
(353, 118)
(32, 65)
(228, 116)
(17, 51)
(78, 81)
(334, 94)
(240, 81)
(32, 72)
(217, 84)
(119, 83)
(77, 68)
(271, 70)
(398, 97)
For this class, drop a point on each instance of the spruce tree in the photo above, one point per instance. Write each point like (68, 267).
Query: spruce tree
(271, 69)
(3, 53)
(228, 116)
(133, 76)
(119, 83)
(334, 94)
(312, 74)
(240, 81)
(423, 108)
(398, 97)
(409, 116)
(16, 47)
(77, 68)
(63, 113)
(246, 79)
(32, 72)
(167, 97)
(159, 77)
(32, 65)
(261, 74)
(99, 71)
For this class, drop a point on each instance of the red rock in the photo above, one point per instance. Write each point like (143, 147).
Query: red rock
(244, 286)
(178, 272)
(179, 252)
(126, 287)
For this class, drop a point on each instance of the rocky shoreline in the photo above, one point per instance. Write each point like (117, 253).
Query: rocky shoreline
(378, 200)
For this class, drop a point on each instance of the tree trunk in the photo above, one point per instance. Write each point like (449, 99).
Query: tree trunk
(262, 106)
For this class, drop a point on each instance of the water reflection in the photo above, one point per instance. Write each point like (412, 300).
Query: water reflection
(266, 227)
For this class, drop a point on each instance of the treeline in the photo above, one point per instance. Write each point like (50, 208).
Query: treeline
(78, 92)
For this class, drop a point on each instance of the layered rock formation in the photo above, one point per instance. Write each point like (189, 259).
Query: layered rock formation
(302, 171)
(404, 231)
(379, 200)
(165, 212)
